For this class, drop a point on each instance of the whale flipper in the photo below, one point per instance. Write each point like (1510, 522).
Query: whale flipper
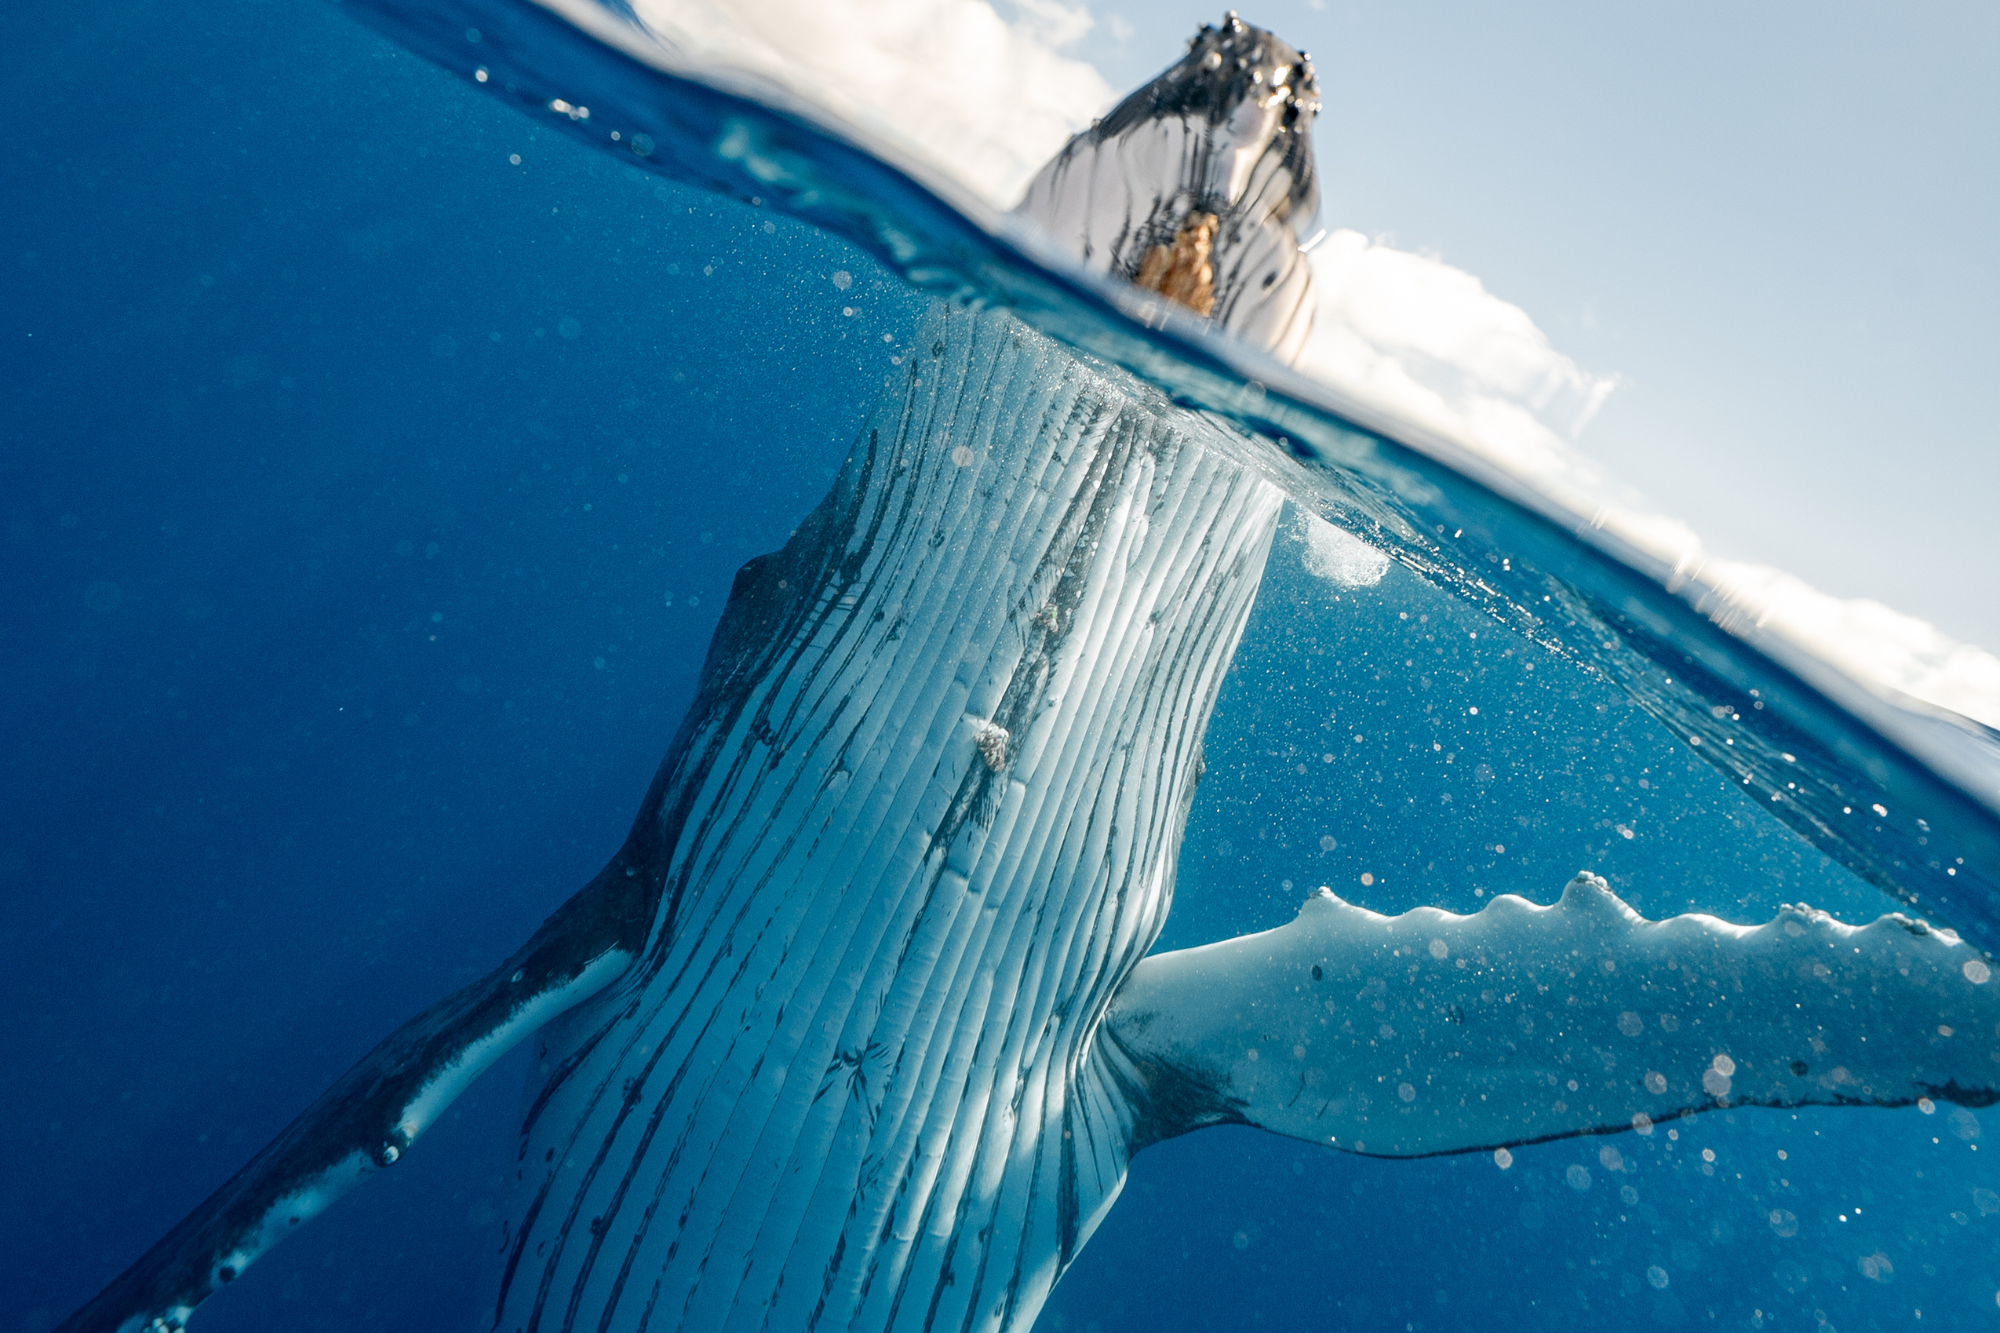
(373, 1112)
(1432, 1033)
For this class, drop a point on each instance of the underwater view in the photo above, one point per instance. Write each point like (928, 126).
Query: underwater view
(1108, 762)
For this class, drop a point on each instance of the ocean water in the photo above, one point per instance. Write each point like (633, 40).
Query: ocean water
(371, 496)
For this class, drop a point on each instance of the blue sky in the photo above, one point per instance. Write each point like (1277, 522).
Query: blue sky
(1778, 224)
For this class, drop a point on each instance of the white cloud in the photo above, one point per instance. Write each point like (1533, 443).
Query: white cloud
(983, 99)
(1446, 333)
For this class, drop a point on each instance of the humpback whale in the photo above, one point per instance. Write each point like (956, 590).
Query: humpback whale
(861, 1027)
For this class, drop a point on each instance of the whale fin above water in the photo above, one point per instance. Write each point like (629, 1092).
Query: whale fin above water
(1433, 1033)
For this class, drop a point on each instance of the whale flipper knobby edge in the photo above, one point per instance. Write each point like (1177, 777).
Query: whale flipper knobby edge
(859, 1027)
(1433, 1033)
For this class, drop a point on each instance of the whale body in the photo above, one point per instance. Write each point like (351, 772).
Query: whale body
(861, 1027)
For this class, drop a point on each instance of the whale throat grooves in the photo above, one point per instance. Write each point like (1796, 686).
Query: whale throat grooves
(919, 825)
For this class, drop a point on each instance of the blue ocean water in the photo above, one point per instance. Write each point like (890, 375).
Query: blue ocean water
(370, 499)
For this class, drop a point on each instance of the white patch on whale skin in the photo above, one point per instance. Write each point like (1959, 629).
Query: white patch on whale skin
(1348, 1028)
(450, 1080)
(291, 1212)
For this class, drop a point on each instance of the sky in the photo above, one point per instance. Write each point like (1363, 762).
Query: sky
(1778, 227)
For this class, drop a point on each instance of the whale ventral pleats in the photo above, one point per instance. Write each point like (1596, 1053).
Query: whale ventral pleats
(1195, 186)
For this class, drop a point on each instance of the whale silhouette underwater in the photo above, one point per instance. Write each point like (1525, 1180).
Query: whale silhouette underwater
(860, 1027)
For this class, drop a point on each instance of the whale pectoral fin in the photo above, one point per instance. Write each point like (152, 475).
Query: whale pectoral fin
(1433, 1033)
(369, 1117)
